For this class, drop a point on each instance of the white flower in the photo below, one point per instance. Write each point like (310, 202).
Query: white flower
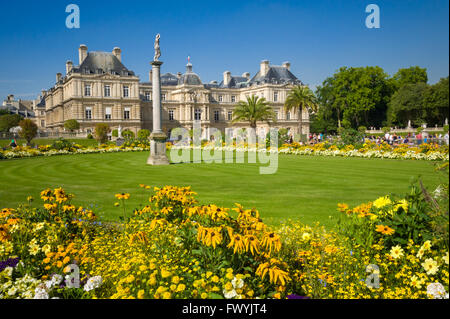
(8, 271)
(41, 292)
(436, 290)
(93, 283)
(237, 283)
(229, 294)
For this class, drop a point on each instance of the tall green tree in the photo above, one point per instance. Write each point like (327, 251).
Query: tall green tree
(407, 104)
(253, 110)
(301, 98)
(411, 75)
(436, 102)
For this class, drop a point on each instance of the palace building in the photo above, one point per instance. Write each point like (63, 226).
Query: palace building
(100, 89)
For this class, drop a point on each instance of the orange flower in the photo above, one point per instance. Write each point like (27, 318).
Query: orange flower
(385, 230)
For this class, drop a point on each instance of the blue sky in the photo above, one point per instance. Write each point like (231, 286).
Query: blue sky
(317, 37)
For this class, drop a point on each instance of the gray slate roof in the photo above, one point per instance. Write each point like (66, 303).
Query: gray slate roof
(102, 62)
(276, 74)
(189, 78)
(235, 82)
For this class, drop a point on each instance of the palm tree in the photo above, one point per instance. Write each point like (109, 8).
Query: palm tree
(253, 110)
(301, 97)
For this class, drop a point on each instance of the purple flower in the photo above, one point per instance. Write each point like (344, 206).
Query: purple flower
(11, 262)
(294, 296)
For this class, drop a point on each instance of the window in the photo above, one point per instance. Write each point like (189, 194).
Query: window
(233, 98)
(107, 91)
(216, 116)
(126, 91)
(220, 98)
(88, 113)
(230, 115)
(277, 116)
(42, 123)
(126, 113)
(108, 112)
(288, 116)
(163, 97)
(87, 90)
(147, 95)
(42, 113)
(197, 114)
(275, 96)
(171, 115)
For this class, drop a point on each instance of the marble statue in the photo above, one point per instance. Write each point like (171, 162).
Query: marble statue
(157, 48)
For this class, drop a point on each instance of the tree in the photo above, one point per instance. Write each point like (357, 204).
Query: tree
(72, 125)
(412, 75)
(356, 96)
(28, 130)
(301, 98)
(407, 104)
(254, 110)
(101, 132)
(127, 134)
(436, 102)
(9, 121)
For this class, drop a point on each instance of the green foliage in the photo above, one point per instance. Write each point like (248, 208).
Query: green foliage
(90, 136)
(301, 98)
(127, 134)
(28, 130)
(351, 136)
(8, 121)
(412, 75)
(115, 133)
(283, 137)
(72, 125)
(101, 132)
(253, 110)
(143, 134)
(61, 144)
(386, 129)
(436, 102)
(408, 104)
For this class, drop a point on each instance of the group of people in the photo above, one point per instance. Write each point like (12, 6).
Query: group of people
(410, 138)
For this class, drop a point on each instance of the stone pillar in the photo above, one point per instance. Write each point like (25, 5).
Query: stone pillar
(158, 138)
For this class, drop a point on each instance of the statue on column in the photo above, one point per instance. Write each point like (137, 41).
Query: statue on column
(157, 48)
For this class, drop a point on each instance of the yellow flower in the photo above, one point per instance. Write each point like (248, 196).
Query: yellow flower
(271, 241)
(416, 282)
(181, 287)
(306, 236)
(122, 196)
(165, 273)
(396, 252)
(238, 243)
(252, 243)
(430, 266)
(382, 201)
(141, 294)
(385, 230)
(166, 295)
(204, 295)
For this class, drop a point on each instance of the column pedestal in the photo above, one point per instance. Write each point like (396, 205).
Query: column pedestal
(158, 138)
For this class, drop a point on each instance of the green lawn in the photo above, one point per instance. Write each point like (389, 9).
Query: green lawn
(305, 188)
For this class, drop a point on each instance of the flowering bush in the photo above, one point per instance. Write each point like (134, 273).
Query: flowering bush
(175, 248)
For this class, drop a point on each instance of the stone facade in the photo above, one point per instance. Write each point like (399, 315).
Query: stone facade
(102, 90)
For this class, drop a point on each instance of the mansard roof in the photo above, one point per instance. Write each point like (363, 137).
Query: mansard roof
(102, 62)
(235, 82)
(189, 78)
(277, 75)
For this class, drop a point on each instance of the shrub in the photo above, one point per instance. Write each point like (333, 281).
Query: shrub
(115, 133)
(127, 134)
(101, 132)
(8, 121)
(90, 136)
(351, 136)
(28, 130)
(144, 134)
(61, 144)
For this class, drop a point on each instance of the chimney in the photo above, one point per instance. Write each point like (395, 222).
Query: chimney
(246, 75)
(150, 76)
(58, 77)
(117, 53)
(69, 66)
(287, 65)
(82, 52)
(179, 75)
(264, 67)
(226, 78)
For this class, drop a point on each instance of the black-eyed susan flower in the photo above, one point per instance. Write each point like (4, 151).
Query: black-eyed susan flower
(237, 243)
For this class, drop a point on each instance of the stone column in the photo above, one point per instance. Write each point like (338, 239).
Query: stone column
(158, 138)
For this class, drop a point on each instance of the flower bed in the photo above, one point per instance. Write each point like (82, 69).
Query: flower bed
(175, 248)
(428, 152)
